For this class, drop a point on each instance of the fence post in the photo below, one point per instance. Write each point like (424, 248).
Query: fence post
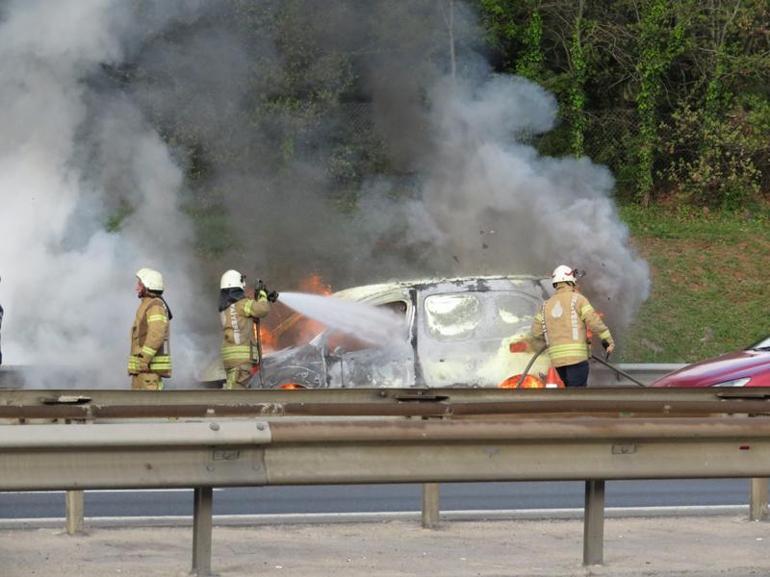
(430, 505)
(593, 524)
(758, 507)
(75, 511)
(202, 528)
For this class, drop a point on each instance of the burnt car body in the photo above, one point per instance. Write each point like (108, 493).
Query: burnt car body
(749, 367)
(457, 332)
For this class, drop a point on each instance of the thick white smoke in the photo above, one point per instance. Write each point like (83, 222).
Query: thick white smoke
(499, 206)
(489, 203)
(72, 154)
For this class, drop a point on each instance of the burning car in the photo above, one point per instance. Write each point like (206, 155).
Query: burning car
(457, 332)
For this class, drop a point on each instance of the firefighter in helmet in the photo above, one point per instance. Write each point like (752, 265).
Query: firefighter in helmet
(240, 316)
(150, 358)
(561, 322)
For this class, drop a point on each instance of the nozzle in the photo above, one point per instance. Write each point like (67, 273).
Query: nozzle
(272, 296)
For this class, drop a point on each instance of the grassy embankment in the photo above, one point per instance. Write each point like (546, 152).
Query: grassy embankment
(710, 284)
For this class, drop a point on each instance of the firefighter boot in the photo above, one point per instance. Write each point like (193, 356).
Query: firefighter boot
(238, 377)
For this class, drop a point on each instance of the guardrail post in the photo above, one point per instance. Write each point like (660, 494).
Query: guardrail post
(75, 512)
(430, 505)
(593, 524)
(202, 527)
(758, 507)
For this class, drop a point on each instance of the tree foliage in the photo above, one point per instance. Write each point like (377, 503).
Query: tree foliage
(672, 95)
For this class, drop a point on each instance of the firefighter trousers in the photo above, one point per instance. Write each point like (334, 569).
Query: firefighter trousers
(238, 377)
(574, 375)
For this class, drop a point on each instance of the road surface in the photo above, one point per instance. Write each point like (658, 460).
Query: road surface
(382, 498)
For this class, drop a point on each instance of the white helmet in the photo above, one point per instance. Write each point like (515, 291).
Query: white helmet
(151, 279)
(563, 273)
(232, 279)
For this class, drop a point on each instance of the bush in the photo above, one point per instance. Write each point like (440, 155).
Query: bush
(714, 161)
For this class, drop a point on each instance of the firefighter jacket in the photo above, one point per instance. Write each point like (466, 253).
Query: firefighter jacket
(149, 339)
(240, 344)
(562, 321)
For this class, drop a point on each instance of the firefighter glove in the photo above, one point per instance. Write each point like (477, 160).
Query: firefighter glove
(141, 364)
(144, 364)
(262, 295)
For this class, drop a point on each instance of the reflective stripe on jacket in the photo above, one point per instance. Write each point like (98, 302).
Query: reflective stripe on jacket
(239, 339)
(149, 339)
(562, 321)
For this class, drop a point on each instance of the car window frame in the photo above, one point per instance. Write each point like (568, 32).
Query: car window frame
(427, 332)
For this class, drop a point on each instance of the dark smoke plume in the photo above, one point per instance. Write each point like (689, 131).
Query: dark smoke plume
(340, 142)
(361, 140)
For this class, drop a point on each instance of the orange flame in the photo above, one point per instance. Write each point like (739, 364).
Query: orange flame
(291, 386)
(314, 284)
(284, 327)
(549, 381)
(268, 338)
(529, 382)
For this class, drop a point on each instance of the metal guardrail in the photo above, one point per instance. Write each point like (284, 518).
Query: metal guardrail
(307, 451)
(591, 435)
(104, 405)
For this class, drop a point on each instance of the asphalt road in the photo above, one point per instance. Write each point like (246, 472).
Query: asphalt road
(382, 498)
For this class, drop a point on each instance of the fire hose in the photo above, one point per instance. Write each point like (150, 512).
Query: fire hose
(618, 371)
(594, 357)
(529, 365)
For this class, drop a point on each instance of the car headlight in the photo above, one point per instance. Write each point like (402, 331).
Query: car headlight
(734, 383)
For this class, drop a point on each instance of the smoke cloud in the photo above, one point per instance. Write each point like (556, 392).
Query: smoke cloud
(73, 152)
(457, 188)
(366, 141)
(500, 206)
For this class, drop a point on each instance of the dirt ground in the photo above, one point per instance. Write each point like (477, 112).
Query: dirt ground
(684, 546)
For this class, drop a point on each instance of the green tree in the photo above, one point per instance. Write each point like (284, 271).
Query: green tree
(719, 154)
(577, 92)
(661, 40)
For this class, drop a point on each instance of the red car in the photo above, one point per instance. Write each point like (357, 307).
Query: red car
(747, 368)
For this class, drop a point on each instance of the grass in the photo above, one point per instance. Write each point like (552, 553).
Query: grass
(710, 275)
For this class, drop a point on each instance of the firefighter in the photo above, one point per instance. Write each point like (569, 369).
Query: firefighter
(561, 324)
(150, 359)
(240, 317)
